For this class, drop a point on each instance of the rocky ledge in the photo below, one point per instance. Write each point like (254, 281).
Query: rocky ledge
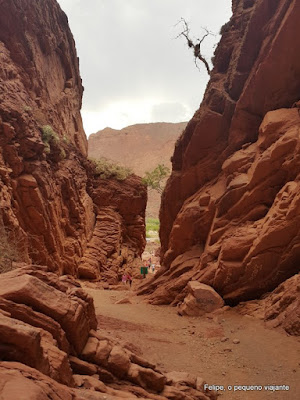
(51, 347)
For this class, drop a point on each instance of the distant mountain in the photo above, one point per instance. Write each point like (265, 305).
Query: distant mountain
(141, 147)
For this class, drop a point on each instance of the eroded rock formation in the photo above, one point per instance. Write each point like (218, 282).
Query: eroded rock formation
(119, 232)
(230, 214)
(51, 348)
(47, 187)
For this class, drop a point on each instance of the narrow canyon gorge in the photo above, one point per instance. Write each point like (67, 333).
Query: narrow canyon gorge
(229, 221)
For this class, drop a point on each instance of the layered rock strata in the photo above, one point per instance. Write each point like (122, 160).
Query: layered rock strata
(51, 347)
(47, 187)
(119, 233)
(230, 211)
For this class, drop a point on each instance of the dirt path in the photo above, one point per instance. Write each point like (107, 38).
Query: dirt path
(194, 345)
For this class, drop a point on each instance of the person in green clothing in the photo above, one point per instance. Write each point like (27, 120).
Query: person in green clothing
(144, 269)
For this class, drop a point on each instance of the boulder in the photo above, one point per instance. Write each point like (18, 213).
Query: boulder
(90, 382)
(82, 367)
(119, 361)
(18, 381)
(37, 319)
(97, 351)
(146, 377)
(34, 347)
(201, 299)
(71, 314)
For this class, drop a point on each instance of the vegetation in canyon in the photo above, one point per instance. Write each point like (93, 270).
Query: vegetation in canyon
(107, 169)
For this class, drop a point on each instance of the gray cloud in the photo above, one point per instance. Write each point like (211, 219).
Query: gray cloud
(128, 53)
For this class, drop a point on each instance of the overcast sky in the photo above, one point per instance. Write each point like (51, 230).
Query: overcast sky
(133, 69)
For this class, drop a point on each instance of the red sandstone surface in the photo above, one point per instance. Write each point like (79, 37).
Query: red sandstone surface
(230, 214)
(47, 189)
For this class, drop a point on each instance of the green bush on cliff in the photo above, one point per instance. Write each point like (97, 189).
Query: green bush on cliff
(106, 169)
(52, 141)
(49, 136)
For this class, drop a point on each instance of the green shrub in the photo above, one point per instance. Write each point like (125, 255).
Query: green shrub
(49, 136)
(52, 142)
(27, 109)
(47, 149)
(62, 154)
(106, 169)
(156, 179)
(66, 140)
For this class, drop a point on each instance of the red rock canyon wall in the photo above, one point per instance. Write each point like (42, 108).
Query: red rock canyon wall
(230, 214)
(47, 187)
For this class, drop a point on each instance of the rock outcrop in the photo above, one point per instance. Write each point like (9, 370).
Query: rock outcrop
(119, 233)
(47, 186)
(280, 308)
(51, 346)
(230, 211)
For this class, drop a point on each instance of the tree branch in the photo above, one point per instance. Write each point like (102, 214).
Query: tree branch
(195, 46)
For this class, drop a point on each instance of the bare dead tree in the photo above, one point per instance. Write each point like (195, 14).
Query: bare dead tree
(196, 47)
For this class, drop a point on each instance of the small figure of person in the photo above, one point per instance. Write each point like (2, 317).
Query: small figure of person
(153, 268)
(129, 279)
(144, 269)
(124, 279)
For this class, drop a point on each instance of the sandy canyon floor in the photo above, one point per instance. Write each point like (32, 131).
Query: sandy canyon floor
(205, 346)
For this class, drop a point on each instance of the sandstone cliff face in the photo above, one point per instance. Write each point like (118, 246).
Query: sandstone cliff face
(46, 184)
(118, 237)
(230, 212)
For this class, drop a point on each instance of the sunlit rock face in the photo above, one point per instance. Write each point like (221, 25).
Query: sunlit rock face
(46, 183)
(230, 213)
